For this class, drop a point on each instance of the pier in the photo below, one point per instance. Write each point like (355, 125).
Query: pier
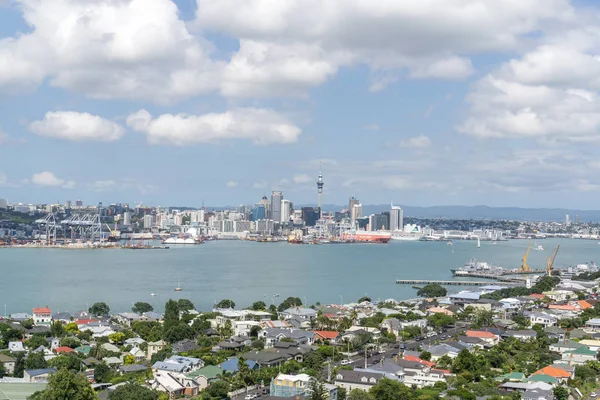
(447, 283)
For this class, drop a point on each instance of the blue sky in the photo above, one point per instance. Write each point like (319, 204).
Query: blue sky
(420, 103)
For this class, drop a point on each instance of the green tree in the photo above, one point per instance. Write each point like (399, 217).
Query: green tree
(364, 298)
(185, 305)
(289, 303)
(149, 331)
(35, 361)
(258, 306)
(68, 361)
(218, 390)
(425, 355)
(244, 372)
(27, 324)
(132, 391)
(140, 307)
(19, 365)
(71, 342)
(254, 330)
(102, 373)
(57, 329)
(561, 393)
(179, 332)
(71, 328)
(317, 390)
(314, 360)
(387, 389)
(35, 342)
(99, 309)
(226, 303)
(129, 359)
(358, 394)
(2, 371)
(171, 315)
(117, 337)
(432, 290)
(483, 318)
(66, 385)
(439, 320)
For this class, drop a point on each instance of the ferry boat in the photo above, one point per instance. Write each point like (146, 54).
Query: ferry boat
(368, 237)
(181, 240)
(474, 266)
(406, 236)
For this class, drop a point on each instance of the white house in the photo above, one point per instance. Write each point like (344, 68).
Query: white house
(42, 316)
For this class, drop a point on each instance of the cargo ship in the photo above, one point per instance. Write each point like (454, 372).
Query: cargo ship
(367, 237)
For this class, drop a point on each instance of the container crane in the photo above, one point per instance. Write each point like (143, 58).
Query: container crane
(551, 261)
(524, 266)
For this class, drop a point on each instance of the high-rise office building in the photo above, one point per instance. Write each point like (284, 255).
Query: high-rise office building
(258, 212)
(567, 220)
(396, 218)
(378, 222)
(126, 218)
(310, 216)
(286, 210)
(355, 212)
(276, 197)
(351, 202)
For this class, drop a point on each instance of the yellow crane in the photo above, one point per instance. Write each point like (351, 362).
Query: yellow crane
(551, 261)
(524, 266)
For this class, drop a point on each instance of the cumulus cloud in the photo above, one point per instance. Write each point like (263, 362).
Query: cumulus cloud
(133, 49)
(550, 94)
(302, 178)
(261, 126)
(416, 142)
(75, 126)
(231, 184)
(288, 47)
(48, 179)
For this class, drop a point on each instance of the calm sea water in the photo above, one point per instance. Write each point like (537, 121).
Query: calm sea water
(246, 271)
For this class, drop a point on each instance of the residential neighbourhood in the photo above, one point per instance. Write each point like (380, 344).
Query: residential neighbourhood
(538, 343)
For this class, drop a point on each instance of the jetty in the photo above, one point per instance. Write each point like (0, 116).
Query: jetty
(457, 283)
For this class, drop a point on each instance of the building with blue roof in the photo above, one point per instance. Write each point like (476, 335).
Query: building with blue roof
(231, 365)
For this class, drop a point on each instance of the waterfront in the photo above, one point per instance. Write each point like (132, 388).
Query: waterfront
(247, 271)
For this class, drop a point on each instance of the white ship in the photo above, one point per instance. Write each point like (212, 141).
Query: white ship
(406, 236)
(181, 240)
(474, 266)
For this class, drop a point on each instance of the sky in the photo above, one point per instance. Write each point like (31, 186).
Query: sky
(191, 102)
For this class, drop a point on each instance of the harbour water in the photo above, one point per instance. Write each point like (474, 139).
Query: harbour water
(69, 280)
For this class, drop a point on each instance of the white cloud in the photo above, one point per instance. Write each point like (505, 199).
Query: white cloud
(102, 186)
(131, 49)
(48, 179)
(416, 142)
(75, 126)
(372, 127)
(287, 47)
(261, 126)
(231, 184)
(302, 178)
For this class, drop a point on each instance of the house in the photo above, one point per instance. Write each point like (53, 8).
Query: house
(563, 346)
(204, 376)
(440, 310)
(510, 304)
(53, 342)
(136, 341)
(298, 312)
(524, 387)
(425, 377)
(152, 316)
(464, 298)
(511, 377)
(8, 363)
(578, 356)
(555, 332)
(154, 347)
(266, 358)
(322, 336)
(243, 328)
(443, 349)
(275, 324)
(523, 335)
(42, 316)
(112, 361)
(544, 319)
(127, 369)
(472, 342)
(557, 373)
(37, 375)
(110, 347)
(138, 354)
(486, 336)
(178, 364)
(174, 384)
(185, 346)
(63, 317)
(284, 385)
(593, 345)
(593, 325)
(426, 363)
(231, 365)
(357, 379)
(272, 335)
(15, 347)
(63, 350)
(559, 295)
(127, 318)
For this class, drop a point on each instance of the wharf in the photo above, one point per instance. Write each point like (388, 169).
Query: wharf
(458, 283)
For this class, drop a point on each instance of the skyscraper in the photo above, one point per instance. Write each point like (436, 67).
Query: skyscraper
(286, 210)
(320, 184)
(355, 213)
(567, 220)
(396, 218)
(258, 212)
(353, 200)
(276, 197)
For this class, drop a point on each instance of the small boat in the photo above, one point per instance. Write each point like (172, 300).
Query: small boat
(153, 294)
(450, 243)
(178, 288)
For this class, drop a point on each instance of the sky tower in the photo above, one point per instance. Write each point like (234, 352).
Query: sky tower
(320, 188)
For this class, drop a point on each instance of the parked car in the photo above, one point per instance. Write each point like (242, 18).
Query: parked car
(345, 362)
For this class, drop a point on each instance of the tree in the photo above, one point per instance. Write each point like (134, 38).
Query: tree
(364, 298)
(358, 394)
(254, 330)
(244, 372)
(561, 393)
(140, 307)
(66, 385)
(72, 328)
(226, 303)
(99, 309)
(313, 360)
(71, 342)
(2, 371)
(129, 359)
(289, 303)
(218, 389)
(483, 318)
(185, 305)
(317, 390)
(432, 290)
(117, 337)
(258, 306)
(171, 315)
(102, 373)
(68, 361)
(19, 365)
(57, 329)
(35, 342)
(425, 355)
(439, 320)
(131, 391)
(387, 389)
(35, 361)
(27, 324)
(179, 332)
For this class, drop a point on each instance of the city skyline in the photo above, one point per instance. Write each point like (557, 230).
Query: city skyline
(497, 105)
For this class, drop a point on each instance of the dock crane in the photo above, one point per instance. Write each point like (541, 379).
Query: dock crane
(524, 266)
(551, 261)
